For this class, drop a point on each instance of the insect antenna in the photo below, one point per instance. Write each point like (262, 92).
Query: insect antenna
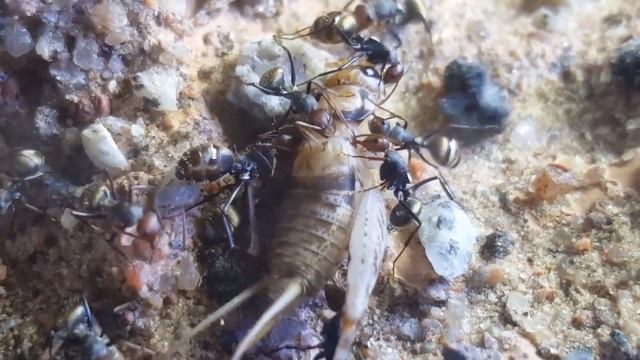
(231, 305)
(290, 295)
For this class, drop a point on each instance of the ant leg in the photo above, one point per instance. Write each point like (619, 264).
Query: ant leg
(442, 182)
(406, 242)
(254, 247)
(264, 89)
(280, 123)
(297, 34)
(350, 62)
(87, 311)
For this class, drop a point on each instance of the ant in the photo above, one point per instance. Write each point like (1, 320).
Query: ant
(215, 163)
(23, 165)
(78, 326)
(443, 150)
(394, 176)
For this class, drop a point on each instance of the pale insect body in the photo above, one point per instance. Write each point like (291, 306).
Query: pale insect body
(320, 224)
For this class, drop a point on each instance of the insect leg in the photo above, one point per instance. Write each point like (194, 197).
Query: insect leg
(291, 294)
(254, 247)
(413, 233)
(225, 309)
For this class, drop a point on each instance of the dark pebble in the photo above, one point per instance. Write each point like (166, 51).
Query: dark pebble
(472, 101)
(622, 345)
(626, 65)
(497, 245)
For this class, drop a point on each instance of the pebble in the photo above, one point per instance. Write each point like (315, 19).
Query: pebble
(408, 329)
(436, 292)
(472, 99)
(497, 245)
(69, 76)
(580, 354)
(553, 181)
(188, 276)
(582, 319)
(102, 149)
(580, 246)
(518, 304)
(431, 329)
(488, 276)
(461, 351)
(46, 122)
(626, 66)
(67, 220)
(50, 44)
(17, 39)
(161, 86)
(85, 54)
(448, 236)
(3, 272)
(623, 344)
(527, 135)
(109, 16)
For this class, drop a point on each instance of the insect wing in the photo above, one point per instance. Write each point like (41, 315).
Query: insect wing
(366, 251)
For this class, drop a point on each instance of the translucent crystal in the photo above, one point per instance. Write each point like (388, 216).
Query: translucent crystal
(49, 44)
(17, 39)
(85, 54)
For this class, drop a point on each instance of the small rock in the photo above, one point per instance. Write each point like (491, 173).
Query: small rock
(102, 150)
(17, 39)
(85, 54)
(50, 44)
(553, 181)
(408, 329)
(527, 135)
(580, 246)
(582, 319)
(46, 122)
(497, 245)
(462, 351)
(488, 276)
(622, 344)
(69, 76)
(617, 255)
(580, 354)
(3, 272)
(109, 16)
(626, 65)
(436, 292)
(431, 329)
(518, 305)
(447, 235)
(597, 220)
(67, 220)
(188, 277)
(472, 99)
(161, 86)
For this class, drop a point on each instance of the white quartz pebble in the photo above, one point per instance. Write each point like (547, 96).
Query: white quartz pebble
(102, 150)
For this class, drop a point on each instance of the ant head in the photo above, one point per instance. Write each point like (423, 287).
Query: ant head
(393, 74)
(379, 126)
(302, 103)
(394, 172)
(322, 118)
(401, 215)
(364, 16)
